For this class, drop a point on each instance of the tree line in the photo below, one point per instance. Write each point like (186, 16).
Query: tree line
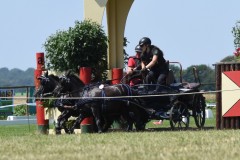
(17, 77)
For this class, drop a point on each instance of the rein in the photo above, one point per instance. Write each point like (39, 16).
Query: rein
(47, 94)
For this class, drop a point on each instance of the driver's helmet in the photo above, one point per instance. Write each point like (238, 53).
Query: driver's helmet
(145, 41)
(138, 49)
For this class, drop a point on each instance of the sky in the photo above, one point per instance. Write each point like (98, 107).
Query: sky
(190, 32)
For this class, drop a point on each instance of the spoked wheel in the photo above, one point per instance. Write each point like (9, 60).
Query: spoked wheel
(199, 110)
(179, 116)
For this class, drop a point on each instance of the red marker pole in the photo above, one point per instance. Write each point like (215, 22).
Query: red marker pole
(117, 75)
(87, 123)
(43, 124)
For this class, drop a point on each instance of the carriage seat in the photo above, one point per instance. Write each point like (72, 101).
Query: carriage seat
(170, 78)
(187, 85)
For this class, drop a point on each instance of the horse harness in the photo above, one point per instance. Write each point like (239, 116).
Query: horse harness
(103, 100)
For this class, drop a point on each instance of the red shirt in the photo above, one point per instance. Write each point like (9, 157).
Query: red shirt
(131, 61)
(132, 64)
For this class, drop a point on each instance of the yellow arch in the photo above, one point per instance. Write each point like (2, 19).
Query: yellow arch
(117, 12)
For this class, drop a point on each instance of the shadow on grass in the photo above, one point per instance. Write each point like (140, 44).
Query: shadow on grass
(170, 129)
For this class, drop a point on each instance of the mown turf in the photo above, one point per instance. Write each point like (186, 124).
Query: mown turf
(197, 144)
(23, 142)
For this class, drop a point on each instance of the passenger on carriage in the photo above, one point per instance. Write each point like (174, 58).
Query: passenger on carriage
(152, 59)
(134, 63)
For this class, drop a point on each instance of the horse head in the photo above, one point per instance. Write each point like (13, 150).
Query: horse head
(47, 85)
(69, 83)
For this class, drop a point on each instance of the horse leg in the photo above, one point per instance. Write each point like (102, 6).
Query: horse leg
(107, 122)
(57, 125)
(137, 118)
(96, 115)
(133, 116)
(77, 122)
(129, 120)
(61, 122)
(128, 115)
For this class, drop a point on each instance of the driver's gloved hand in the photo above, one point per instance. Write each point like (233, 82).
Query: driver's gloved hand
(136, 72)
(144, 70)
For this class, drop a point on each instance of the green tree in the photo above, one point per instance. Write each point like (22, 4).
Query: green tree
(229, 59)
(125, 55)
(176, 71)
(236, 34)
(84, 45)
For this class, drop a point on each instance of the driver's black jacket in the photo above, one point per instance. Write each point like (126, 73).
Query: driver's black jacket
(161, 67)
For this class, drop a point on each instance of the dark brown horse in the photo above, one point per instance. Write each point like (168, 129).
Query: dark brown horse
(104, 102)
(47, 85)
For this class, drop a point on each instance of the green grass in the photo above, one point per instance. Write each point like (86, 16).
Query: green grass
(24, 142)
(17, 130)
(171, 145)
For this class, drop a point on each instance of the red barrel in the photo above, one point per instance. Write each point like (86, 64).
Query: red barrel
(117, 75)
(87, 123)
(85, 74)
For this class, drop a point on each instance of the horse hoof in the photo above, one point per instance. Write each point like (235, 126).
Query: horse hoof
(58, 132)
(71, 131)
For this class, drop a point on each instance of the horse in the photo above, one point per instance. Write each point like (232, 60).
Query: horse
(67, 109)
(101, 101)
(47, 85)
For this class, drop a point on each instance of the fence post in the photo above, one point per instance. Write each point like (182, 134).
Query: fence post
(43, 124)
(87, 123)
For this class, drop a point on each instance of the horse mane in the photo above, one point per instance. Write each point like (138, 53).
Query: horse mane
(76, 78)
(56, 78)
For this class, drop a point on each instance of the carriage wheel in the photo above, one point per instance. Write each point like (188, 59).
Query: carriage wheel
(179, 116)
(199, 110)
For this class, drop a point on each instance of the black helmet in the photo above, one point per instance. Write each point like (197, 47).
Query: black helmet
(145, 40)
(138, 48)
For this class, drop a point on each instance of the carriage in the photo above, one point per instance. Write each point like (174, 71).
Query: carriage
(175, 101)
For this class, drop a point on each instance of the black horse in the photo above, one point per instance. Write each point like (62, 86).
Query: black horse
(47, 85)
(66, 104)
(103, 102)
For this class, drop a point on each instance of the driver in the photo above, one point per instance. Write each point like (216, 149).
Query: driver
(153, 60)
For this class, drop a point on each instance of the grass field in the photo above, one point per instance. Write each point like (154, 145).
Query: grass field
(23, 142)
(18, 143)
